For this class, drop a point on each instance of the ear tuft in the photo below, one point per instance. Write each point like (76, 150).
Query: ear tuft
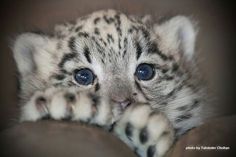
(178, 34)
(24, 48)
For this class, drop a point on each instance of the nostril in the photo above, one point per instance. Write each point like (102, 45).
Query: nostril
(125, 104)
(122, 101)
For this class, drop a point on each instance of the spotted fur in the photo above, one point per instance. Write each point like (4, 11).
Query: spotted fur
(112, 45)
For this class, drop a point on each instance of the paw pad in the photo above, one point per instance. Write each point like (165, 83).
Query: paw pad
(143, 136)
(128, 130)
(151, 151)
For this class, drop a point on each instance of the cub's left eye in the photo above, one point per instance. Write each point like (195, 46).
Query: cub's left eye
(84, 76)
(145, 72)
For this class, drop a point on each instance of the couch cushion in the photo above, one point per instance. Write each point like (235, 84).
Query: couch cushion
(60, 139)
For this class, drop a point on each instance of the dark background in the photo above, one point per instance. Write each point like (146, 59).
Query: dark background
(215, 43)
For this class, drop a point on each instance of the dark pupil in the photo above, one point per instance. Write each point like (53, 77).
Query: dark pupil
(84, 76)
(144, 72)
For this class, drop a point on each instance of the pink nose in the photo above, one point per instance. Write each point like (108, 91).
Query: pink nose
(121, 101)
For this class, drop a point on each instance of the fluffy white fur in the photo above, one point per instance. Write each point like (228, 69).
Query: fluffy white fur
(46, 65)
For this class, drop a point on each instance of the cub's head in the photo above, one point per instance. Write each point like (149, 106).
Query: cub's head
(118, 57)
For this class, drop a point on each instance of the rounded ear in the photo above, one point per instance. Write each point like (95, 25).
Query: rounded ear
(24, 49)
(177, 36)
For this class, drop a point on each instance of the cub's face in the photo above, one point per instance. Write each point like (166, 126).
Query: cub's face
(117, 58)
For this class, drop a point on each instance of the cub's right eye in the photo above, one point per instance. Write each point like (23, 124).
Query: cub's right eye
(84, 76)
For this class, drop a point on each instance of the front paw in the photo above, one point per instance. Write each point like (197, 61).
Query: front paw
(147, 132)
(67, 103)
(79, 106)
(55, 103)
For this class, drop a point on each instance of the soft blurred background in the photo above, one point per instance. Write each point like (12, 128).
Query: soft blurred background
(215, 43)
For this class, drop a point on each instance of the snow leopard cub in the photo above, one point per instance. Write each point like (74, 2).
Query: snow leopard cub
(114, 71)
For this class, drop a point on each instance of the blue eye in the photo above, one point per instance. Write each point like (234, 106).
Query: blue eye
(84, 76)
(145, 72)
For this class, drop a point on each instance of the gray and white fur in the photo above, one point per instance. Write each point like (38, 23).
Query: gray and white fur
(146, 115)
